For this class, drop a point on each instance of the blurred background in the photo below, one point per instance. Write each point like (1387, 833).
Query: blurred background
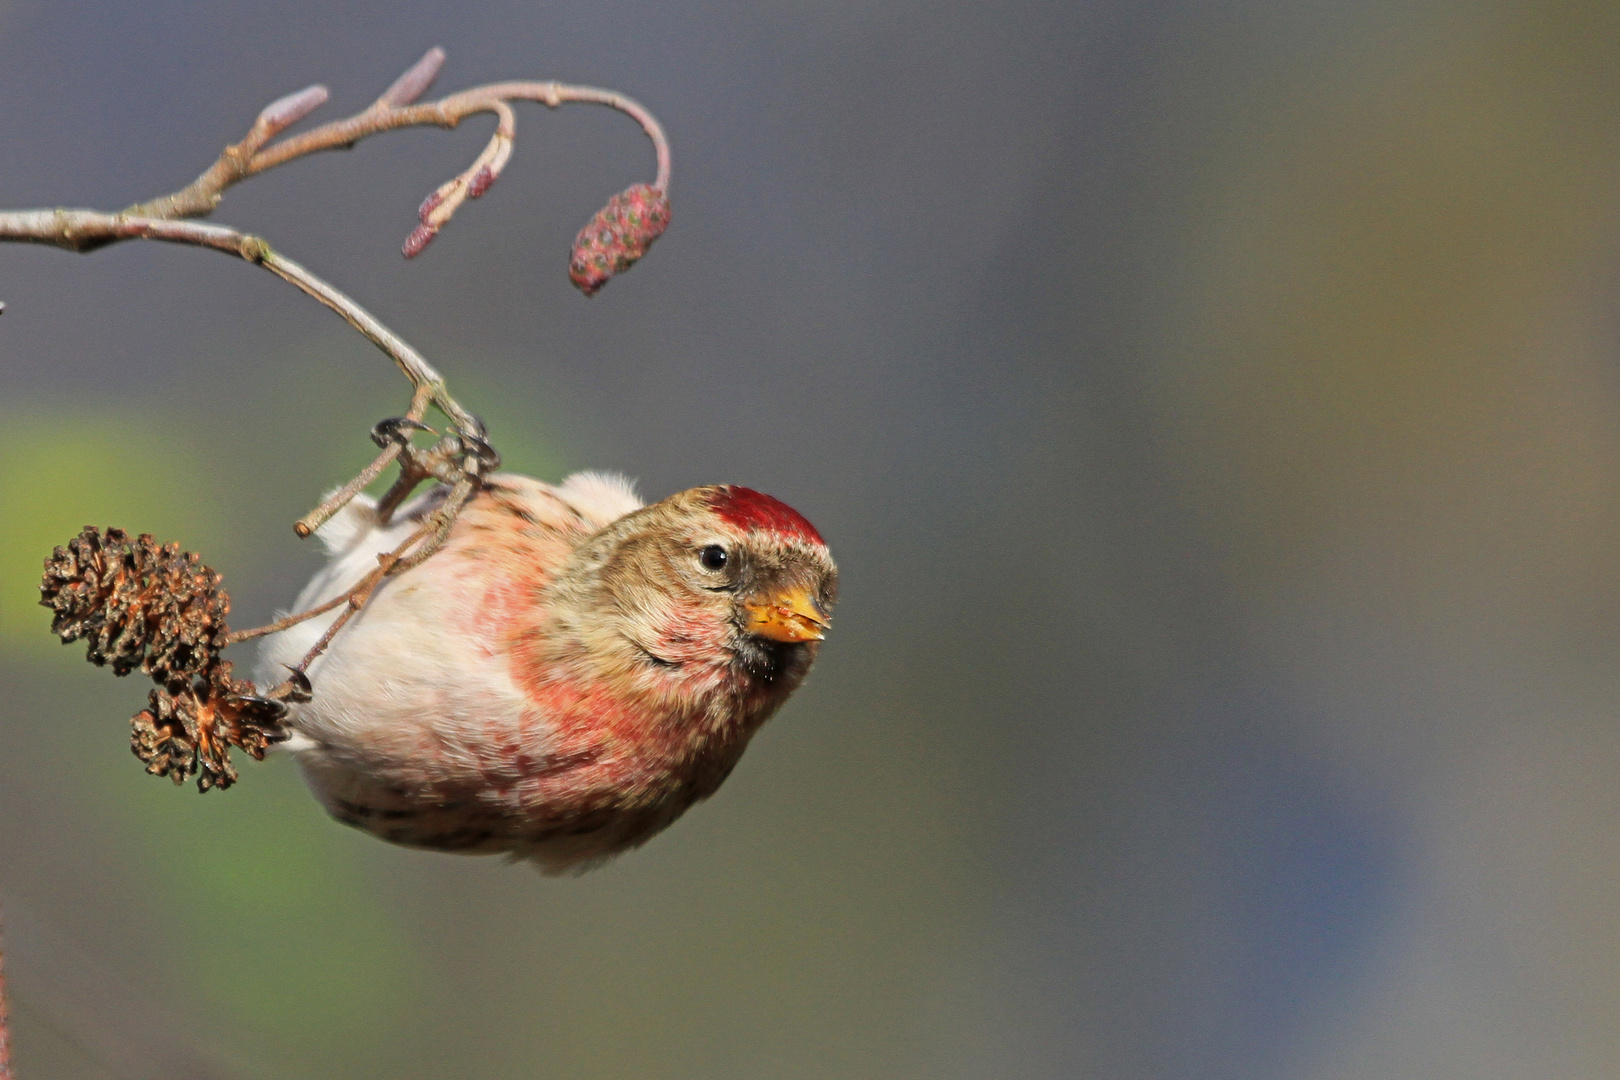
(1215, 412)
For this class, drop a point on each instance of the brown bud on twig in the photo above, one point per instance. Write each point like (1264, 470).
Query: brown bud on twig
(617, 236)
(139, 604)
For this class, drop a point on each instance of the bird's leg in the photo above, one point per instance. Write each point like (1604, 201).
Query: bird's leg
(459, 460)
(440, 522)
(413, 469)
(462, 452)
(415, 466)
(431, 537)
(352, 601)
(393, 435)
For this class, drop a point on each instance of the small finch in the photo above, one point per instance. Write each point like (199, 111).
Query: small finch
(566, 676)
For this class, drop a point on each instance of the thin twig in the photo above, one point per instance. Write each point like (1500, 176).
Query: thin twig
(357, 596)
(286, 622)
(422, 374)
(345, 494)
(449, 112)
(340, 498)
(435, 531)
(164, 218)
(83, 230)
(86, 230)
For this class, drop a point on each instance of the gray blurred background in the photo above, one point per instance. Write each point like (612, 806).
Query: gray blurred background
(1214, 410)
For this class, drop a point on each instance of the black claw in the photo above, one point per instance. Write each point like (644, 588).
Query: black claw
(475, 444)
(275, 709)
(301, 690)
(396, 429)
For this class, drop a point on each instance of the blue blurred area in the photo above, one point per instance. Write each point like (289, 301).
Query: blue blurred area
(1315, 880)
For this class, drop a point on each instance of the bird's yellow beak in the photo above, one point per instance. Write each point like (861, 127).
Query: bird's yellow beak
(793, 615)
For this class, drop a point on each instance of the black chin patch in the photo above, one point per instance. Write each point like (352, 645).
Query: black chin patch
(761, 658)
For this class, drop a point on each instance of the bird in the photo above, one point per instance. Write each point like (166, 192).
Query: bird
(570, 673)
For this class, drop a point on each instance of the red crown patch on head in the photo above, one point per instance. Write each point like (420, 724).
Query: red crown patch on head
(749, 509)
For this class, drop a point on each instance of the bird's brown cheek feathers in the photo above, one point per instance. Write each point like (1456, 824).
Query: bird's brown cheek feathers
(790, 615)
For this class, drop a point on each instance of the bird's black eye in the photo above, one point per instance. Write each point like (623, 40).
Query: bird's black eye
(712, 557)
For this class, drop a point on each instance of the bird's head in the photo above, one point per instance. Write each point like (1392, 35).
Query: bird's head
(716, 587)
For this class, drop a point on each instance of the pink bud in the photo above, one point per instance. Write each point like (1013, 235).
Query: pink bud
(480, 183)
(409, 86)
(419, 238)
(617, 236)
(429, 204)
(286, 111)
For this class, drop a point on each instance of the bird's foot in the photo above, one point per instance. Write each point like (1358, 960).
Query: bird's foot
(459, 460)
(462, 455)
(396, 429)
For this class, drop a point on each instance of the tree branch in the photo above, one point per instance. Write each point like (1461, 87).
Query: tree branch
(614, 239)
(86, 230)
(165, 218)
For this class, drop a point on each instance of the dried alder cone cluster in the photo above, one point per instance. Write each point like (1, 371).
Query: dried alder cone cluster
(143, 606)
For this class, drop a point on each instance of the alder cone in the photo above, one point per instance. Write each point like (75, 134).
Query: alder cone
(190, 730)
(137, 604)
(619, 234)
(142, 605)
